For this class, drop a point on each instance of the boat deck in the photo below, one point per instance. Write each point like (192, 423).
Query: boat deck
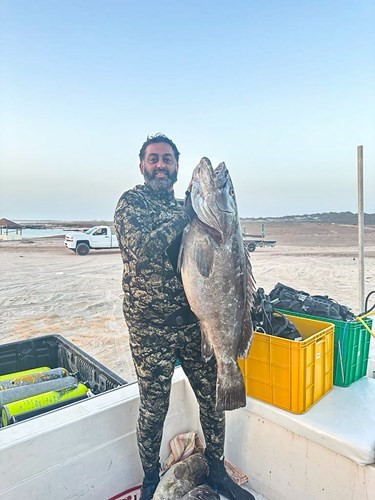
(89, 449)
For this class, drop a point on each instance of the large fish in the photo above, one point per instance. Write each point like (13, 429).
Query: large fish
(203, 492)
(182, 477)
(217, 277)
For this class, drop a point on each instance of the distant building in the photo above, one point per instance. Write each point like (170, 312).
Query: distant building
(10, 230)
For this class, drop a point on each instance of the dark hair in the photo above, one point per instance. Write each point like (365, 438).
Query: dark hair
(158, 138)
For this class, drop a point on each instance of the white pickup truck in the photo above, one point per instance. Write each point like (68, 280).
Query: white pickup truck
(97, 237)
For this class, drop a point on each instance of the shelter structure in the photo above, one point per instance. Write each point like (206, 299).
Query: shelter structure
(10, 230)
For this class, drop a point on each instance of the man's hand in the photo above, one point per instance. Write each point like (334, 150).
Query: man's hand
(189, 210)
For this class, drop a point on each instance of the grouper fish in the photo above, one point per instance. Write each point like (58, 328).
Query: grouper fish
(182, 477)
(217, 278)
(203, 492)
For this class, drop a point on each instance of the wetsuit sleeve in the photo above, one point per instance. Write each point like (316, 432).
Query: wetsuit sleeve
(135, 232)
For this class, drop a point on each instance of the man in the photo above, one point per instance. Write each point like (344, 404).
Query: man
(149, 224)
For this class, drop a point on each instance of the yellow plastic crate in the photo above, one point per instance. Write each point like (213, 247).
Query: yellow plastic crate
(292, 375)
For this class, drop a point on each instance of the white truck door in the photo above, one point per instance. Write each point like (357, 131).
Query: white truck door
(101, 238)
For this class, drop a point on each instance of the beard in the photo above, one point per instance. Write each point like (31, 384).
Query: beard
(158, 184)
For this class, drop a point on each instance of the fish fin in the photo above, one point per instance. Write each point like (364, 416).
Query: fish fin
(181, 251)
(246, 335)
(204, 256)
(230, 388)
(206, 346)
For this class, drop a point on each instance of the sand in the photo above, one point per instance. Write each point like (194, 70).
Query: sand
(47, 289)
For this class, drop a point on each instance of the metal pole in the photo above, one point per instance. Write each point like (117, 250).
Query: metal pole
(361, 232)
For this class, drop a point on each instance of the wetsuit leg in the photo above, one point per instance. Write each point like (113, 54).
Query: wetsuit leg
(202, 377)
(153, 351)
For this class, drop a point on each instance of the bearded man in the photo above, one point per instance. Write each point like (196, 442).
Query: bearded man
(149, 222)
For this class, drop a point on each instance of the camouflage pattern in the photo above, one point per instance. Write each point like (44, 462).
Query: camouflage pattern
(147, 223)
(155, 351)
(149, 226)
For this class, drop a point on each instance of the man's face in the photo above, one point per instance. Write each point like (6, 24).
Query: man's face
(159, 166)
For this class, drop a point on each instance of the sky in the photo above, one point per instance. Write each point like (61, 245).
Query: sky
(282, 91)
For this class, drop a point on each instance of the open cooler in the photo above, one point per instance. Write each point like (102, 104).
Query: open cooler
(54, 351)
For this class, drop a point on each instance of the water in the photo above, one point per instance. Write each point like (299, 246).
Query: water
(42, 233)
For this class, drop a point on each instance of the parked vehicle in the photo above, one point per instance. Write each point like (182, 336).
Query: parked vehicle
(252, 241)
(97, 238)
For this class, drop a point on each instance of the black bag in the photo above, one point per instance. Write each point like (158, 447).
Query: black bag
(290, 299)
(267, 320)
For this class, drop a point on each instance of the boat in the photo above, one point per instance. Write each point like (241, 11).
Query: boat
(88, 450)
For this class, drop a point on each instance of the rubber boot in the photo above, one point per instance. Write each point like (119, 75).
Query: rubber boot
(222, 483)
(150, 481)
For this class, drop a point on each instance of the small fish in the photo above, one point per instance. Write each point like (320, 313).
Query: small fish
(203, 492)
(217, 277)
(182, 478)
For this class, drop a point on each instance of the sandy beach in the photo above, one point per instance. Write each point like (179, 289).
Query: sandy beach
(47, 289)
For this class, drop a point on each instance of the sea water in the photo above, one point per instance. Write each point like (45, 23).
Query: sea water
(42, 233)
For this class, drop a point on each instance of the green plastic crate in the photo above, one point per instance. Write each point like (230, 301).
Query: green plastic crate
(351, 348)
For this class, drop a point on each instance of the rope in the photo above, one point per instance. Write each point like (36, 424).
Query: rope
(359, 318)
(368, 312)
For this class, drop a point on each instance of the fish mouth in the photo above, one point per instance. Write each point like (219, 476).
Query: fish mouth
(205, 174)
(213, 200)
(204, 171)
(214, 179)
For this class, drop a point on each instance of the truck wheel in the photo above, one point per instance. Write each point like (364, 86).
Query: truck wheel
(251, 246)
(82, 249)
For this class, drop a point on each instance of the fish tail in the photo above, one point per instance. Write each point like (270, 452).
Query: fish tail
(230, 388)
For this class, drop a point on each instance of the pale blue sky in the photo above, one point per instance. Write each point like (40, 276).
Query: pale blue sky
(282, 91)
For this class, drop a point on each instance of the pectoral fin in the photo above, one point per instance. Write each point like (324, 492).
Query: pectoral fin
(204, 256)
(246, 336)
(181, 252)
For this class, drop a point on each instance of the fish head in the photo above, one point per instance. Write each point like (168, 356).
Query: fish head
(213, 198)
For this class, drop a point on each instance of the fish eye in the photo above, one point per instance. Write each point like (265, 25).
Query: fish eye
(231, 191)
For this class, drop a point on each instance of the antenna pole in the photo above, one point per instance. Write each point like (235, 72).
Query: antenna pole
(361, 232)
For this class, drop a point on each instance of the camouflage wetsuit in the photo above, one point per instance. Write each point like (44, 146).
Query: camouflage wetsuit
(161, 326)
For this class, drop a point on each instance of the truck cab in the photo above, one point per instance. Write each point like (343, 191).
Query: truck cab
(97, 238)
(100, 237)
